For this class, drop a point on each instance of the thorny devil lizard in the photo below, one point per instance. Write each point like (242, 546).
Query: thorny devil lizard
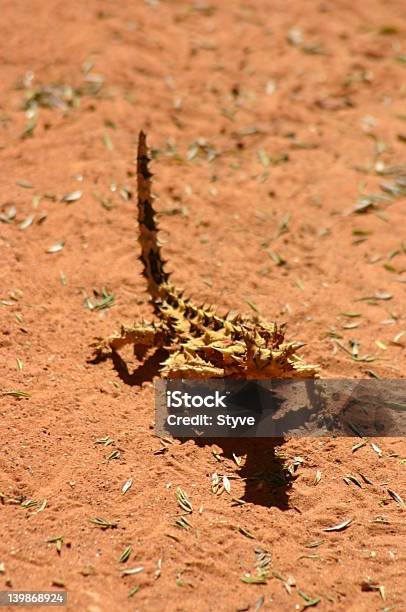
(200, 343)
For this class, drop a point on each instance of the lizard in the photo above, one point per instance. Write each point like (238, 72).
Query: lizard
(200, 343)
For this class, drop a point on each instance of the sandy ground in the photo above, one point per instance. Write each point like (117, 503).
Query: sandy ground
(270, 123)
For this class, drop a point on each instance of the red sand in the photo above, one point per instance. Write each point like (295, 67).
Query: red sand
(321, 112)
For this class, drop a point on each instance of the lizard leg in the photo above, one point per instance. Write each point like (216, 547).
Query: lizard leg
(142, 335)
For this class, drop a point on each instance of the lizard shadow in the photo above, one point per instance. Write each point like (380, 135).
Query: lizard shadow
(267, 479)
(146, 371)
